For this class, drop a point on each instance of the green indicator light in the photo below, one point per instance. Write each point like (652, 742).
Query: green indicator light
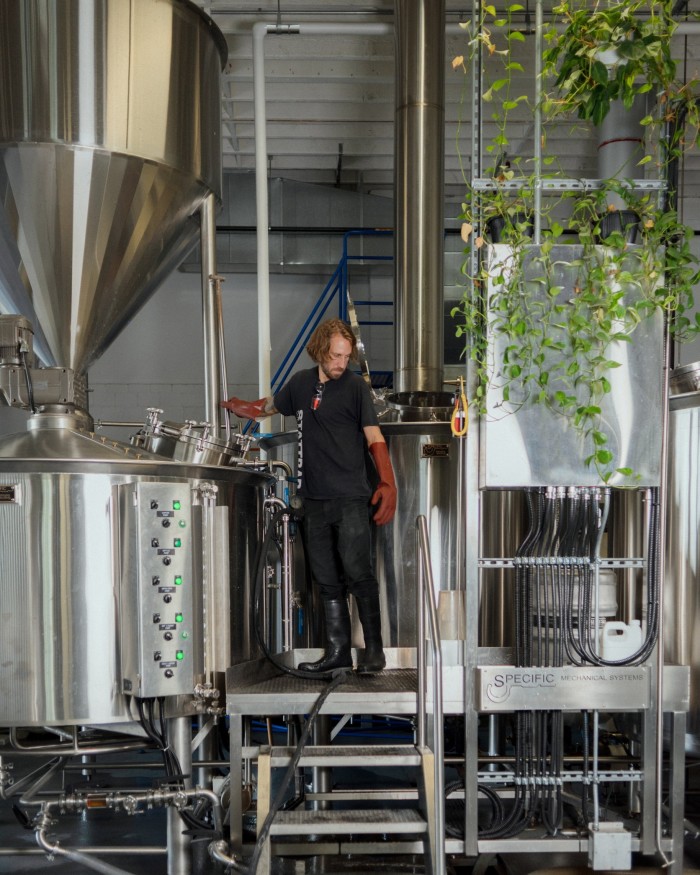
(185, 634)
(176, 505)
(180, 654)
(178, 618)
(182, 524)
(177, 542)
(178, 580)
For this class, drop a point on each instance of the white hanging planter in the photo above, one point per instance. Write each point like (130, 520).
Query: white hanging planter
(609, 57)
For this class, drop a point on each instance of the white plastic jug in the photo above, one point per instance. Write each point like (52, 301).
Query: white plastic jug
(618, 640)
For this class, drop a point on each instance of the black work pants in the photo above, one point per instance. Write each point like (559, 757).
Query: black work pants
(339, 547)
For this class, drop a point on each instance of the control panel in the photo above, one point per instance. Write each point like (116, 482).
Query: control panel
(157, 588)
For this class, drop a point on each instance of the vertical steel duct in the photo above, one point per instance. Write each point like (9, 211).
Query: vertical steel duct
(419, 134)
(621, 143)
(620, 149)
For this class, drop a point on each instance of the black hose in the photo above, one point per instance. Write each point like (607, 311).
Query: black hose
(585, 647)
(173, 771)
(258, 568)
(28, 379)
(264, 830)
(497, 812)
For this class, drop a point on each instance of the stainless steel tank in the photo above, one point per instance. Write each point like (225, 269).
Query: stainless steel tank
(110, 140)
(682, 580)
(503, 525)
(63, 616)
(425, 458)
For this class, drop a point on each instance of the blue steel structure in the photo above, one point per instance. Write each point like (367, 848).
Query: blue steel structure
(336, 288)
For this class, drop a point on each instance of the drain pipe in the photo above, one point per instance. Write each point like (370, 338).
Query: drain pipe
(179, 844)
(55, 850)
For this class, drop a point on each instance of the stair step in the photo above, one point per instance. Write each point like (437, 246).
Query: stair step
(346, 755)
(346, 822)
(352, 845)
(365, 794)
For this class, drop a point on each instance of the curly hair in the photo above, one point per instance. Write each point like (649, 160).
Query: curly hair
(319, 343)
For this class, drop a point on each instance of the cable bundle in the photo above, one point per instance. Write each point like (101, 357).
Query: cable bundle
(556, 625)
(156, 729)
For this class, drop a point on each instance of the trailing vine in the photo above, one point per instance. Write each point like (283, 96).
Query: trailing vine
(610, 51)
(543, 324)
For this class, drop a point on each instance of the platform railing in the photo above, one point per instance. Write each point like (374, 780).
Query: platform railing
(427, 621)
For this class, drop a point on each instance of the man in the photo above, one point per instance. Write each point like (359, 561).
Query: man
(335, 421)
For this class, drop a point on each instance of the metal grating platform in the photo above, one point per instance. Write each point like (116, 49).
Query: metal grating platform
(392, 692)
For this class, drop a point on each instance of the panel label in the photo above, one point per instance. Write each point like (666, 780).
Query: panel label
(506, 688)
(435, 451)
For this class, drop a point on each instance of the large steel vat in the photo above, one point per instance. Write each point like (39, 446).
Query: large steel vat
(110, 140)
(65, 557)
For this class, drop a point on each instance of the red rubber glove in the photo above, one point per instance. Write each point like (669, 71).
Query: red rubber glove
(245, 409)
(385, 493)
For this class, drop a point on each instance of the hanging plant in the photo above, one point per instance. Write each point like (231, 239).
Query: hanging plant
(614, 51)
(546, 325)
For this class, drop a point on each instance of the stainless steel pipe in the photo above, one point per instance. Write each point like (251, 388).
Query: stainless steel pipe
(419, 183)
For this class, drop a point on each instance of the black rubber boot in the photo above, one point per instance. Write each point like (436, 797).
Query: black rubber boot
(337, 653)
(373, 659)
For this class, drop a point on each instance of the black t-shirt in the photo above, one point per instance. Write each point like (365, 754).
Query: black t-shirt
(331, 440)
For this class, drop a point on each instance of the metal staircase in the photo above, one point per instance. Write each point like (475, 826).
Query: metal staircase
(403, 811)
(356, 830)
